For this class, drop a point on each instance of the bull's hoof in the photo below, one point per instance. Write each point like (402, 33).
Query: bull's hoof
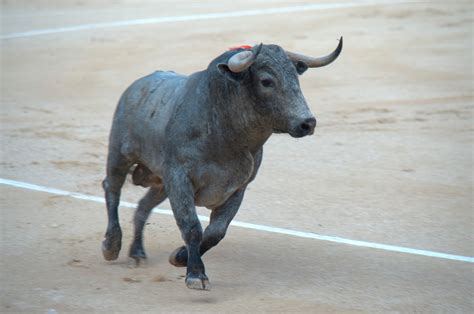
(137, 261)
(110, 251)
(137, 256)
(197, 282)
(179, 257)
(111, 245)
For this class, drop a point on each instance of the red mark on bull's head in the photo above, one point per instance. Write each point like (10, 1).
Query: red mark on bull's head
(241, 47)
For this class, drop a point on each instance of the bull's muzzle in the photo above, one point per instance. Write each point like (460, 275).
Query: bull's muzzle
(303, 128)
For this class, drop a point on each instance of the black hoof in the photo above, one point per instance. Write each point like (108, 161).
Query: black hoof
(111, 245)
(179, 257)
(137, 256)
(137, 261)
(197, 282)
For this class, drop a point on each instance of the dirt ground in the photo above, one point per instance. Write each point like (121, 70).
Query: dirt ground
(391, 160)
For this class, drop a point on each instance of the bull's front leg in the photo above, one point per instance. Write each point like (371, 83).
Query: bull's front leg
(181, 195)
(215, 232)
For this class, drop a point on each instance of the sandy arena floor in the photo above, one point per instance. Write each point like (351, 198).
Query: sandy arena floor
(391, 161)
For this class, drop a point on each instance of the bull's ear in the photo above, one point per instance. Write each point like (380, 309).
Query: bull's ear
(223, 69)
(300, 66)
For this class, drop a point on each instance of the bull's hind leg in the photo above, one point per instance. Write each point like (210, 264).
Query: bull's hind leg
(215, 232)
(152, 198)
(117, 168)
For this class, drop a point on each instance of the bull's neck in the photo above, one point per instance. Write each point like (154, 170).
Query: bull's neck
(236, 120)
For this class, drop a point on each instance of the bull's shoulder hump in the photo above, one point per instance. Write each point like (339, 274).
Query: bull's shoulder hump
(158, 77)
(166, 75)
(150, 83)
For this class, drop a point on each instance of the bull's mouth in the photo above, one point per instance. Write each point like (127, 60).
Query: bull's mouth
(292, 133)
(297, 133)
(278, 131)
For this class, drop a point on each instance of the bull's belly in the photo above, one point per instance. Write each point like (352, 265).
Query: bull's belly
(213, 196)
(213, 184)
(210, 195)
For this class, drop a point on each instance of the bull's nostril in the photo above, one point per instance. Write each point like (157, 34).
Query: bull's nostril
(305, 126)
(308, 125)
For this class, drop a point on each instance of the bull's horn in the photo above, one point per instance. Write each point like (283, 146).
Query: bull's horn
(312, 62)
(244, 59)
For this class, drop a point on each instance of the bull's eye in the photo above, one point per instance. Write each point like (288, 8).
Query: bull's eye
(267, 83)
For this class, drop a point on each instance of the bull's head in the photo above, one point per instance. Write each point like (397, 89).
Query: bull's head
(272, 76)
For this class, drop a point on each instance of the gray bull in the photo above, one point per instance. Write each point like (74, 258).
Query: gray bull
(198, 140)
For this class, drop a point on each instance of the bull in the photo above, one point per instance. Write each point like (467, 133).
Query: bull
(197, 140)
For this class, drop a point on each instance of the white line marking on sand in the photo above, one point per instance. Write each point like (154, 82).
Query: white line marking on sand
(208, 16)
(247, 225)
